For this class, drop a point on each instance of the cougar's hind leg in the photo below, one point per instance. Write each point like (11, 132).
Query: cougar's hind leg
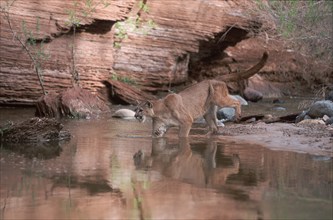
(211, 119)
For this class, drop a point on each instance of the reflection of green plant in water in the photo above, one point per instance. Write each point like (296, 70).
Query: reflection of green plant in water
(133, 25)
(121, 181)
(138, 187)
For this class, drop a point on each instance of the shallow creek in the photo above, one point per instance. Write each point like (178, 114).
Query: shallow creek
(96, 177)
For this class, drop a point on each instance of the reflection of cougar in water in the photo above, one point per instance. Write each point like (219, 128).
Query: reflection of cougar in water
(196, 101)
(185, 165)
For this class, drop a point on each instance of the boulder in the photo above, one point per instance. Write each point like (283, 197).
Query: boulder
(329, 96)
(252, 95)
(124, 114)
(321, 108)
(73, 103)
(318, 109)
(226, 114)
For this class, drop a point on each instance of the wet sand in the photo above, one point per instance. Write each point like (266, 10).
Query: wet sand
(313, 138)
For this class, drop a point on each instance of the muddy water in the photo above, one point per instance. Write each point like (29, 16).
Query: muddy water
(96, 177)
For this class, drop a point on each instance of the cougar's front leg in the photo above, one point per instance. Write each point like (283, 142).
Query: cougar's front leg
(185, 122)
(159, 128)
(180, 114)
(237, 107)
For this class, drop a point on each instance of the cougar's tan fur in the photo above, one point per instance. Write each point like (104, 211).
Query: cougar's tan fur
(198, 100)
(183, 108)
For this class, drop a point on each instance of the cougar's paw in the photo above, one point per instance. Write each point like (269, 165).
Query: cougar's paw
(214, 132)
(159, 132)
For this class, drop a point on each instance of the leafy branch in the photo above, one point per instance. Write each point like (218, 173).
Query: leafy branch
(38, 56)
(123, 79)
(133, 25)
(304, 25)
(75, 17)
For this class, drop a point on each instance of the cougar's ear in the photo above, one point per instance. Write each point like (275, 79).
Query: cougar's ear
(149, 104)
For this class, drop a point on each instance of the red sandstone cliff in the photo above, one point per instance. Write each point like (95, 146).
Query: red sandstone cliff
(191, 37)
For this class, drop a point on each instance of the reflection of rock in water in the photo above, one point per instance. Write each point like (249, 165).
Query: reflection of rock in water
(40, 150)
(93, 187)
(36, 137)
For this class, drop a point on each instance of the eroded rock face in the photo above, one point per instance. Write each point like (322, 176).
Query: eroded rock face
(93, 43)
(191, 39)
(252, 95)
(74, 103)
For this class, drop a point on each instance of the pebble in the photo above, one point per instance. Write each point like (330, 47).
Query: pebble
(325, 118)
(220, 123)
(279, 108)
(312, 121)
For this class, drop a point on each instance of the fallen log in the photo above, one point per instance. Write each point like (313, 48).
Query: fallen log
(284, 119)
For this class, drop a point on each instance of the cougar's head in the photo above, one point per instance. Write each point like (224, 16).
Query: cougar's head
(144, 109)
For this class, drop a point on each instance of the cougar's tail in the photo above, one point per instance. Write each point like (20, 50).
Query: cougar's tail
(233, 77)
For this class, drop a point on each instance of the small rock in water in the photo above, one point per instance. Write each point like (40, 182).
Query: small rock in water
(277, 101)
(226, 113)
(321, 158)
(124, 114)
(220, 123)
(279, 108)
(240, 99)
(251, 120)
